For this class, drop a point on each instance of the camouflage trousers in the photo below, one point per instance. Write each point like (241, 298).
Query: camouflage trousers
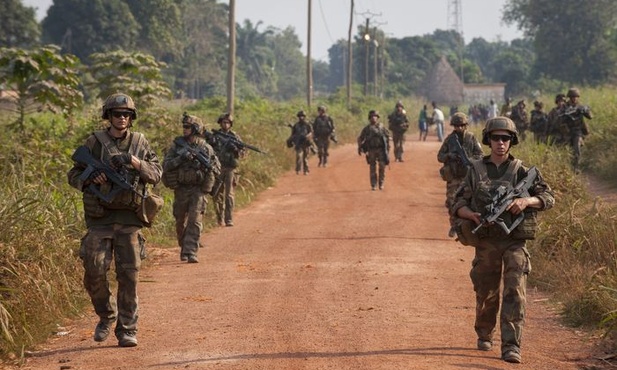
(188, 209)
(493, 259)
(323, 144)
(225, 200)
(398, 140)
(377, 167)
(451, 188)
(576, 142)
(302, 154)
(123, 244)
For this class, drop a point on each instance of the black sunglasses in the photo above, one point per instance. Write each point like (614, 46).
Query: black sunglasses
(118, 114)
(187, 126)
(504, 138)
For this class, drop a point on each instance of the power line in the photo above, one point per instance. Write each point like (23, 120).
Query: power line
(323, 17)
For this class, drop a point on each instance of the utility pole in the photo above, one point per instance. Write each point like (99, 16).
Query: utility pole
(231, 58)
(376, 44)
(309, 68)
(367, 38)
(350, 58)
(455, 22)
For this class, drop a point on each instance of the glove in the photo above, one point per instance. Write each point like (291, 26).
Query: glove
(187, 155)
(120, 160)
(94, 175)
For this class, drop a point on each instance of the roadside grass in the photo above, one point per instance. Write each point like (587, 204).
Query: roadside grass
(573, 256)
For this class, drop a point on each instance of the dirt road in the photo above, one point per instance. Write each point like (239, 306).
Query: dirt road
(320, 272)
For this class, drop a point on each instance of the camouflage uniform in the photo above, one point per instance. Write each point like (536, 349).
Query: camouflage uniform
(520, 119)
(499, 254)
(323, 129)
(556, 130)
(574, 118)
(374, 142)
(193, 183)
(229, 156)
(454, 170)
(114, 230)
(538, 123)
(398, 125)
(302, 139)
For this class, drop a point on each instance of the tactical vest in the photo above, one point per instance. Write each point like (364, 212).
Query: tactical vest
(323, 126)
(374, 138)
(190, 171)
(227, 153)
(484, 194)
(125, 199)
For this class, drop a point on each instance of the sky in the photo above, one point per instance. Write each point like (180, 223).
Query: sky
(397, 18)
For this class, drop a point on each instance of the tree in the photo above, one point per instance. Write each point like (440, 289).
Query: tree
(42, 79)
(136, 74)
(83, 27)
(572, 41)
(161, 28)
(255, 56)
(18, 25)
(201, 69)
(289, 64)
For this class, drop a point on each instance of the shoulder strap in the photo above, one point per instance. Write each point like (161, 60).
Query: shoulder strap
(103, 137)
(512, 170)
(136, 142)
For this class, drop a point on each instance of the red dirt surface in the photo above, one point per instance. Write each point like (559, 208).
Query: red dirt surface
(320, 272)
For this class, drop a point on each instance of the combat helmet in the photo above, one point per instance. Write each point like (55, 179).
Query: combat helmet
(560, 98)
(373, 113)
(499, 123)
(118, 101)
(226, 117)
(300, 114)
(459, 119)
(399, 104)
(321, 108)
(193, 121)
(573, 93)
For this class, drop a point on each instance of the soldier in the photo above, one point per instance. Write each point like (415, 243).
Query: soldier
(398, 125)
(556, 130)
(323, 129)
(114, 228)
(229, 155)
(374, 141)
(538, 122)
(520, 119)
(497, 252)
(190, 167)
(455, 153)
(574, 117)
(301, 140)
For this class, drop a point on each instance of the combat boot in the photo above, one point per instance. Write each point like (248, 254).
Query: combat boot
(102, 330)
(127, 339)
(484, 345)
(512, 356)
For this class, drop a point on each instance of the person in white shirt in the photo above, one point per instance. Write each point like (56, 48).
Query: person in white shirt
(438, 120)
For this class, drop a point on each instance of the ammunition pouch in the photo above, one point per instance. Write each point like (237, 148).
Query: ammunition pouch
(463, 228)
(92, 205)
(149, 208)
(170, 179)
(446, 173)
(190, 177)
(526, 230)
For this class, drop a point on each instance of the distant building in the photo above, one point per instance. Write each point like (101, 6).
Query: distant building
(443, 86)
(483, 93)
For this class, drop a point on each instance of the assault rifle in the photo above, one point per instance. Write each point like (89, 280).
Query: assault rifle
(459, 151)
(502, 199)
(573, 112)
(118, 178)
(228, 139)
(197, 154)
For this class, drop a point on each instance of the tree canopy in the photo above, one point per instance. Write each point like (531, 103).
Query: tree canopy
(18, 25)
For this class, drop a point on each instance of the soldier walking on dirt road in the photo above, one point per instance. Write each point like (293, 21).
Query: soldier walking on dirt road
(500, 246)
